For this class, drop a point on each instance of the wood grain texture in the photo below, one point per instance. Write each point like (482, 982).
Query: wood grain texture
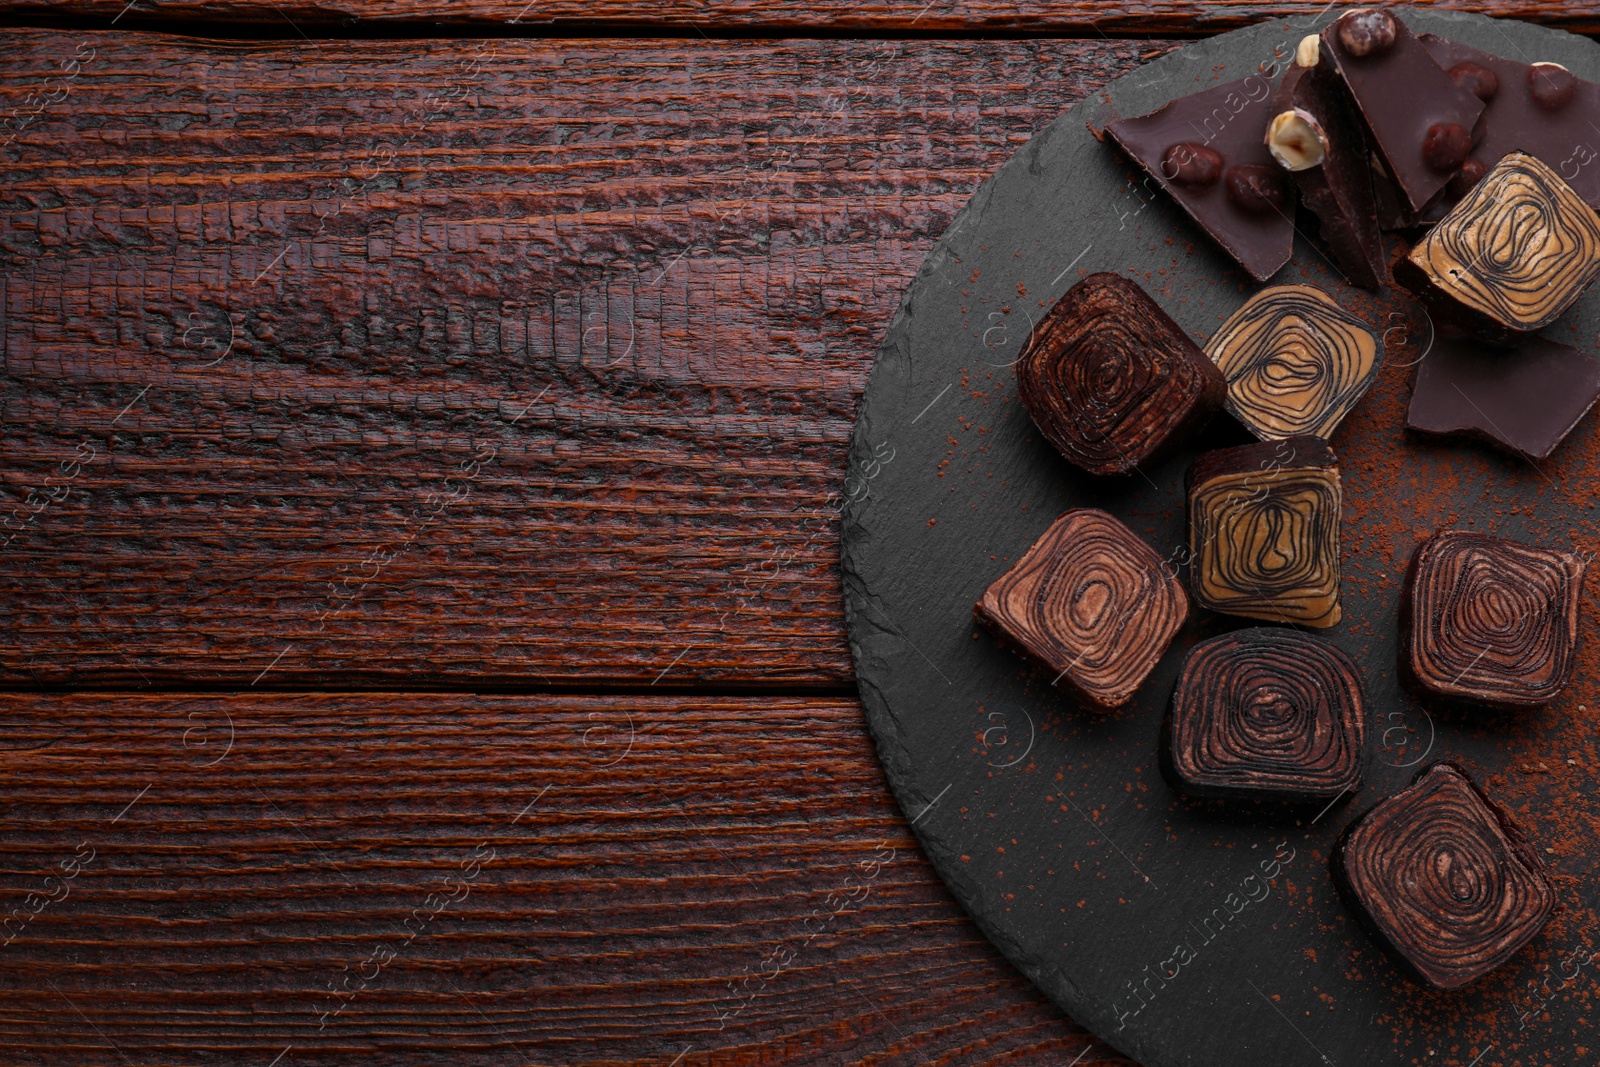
(1037, 16)
(543, 354)
(638, 859)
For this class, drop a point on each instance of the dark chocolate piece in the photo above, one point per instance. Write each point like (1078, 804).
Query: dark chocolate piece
(1489, 621)
(1092, 602)
(1444, 879)
(1264, 531)
(1268, 714)
(1403, 96)
(1514, 121)
(1296, 362)
(1247, 209)
(1515, 253)
(1523, 399)
(1111, 380)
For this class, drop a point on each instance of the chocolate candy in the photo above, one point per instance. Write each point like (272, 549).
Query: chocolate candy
(1489, 621)
(1092, 602)
(1444, 879)
(1247, 210)
(1523, 400)
(1515, 253)
(1264, 531)
(1406, 102)
(1317, 139)
(1296, 362)
(1265, 714)
(1111, 380)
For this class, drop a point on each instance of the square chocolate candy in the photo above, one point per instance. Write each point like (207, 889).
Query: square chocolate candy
(1092, 602)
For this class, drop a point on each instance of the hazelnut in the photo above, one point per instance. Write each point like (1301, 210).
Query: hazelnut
(1308, 51)
(1445, 146)
(1296, 140)
(1470, 174)
(1551, 85)
(1476, 79)
(1366, 32)
(1191, 164)
(1255, 188)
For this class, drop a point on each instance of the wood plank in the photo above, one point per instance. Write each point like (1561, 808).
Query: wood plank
(1086, 17)
(627, 878)
(461, 362)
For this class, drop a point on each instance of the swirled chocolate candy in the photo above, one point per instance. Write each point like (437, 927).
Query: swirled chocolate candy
(1489, 621)
(1419, 120)
(1524, 399)
(1206, 151)
(1444, 879)
(1264, 531)
(1296, 362)
(1516, 252)
(1111, 380)
(1092, 602)
(1265, 714)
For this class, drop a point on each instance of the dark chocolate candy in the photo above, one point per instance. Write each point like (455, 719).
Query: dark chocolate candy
(1092, 602)
(1315, 136)
(1111, 380)
(1268, 713)
(1405, 101)
(1523, 399)
(1444, 879)
(1247, 208)
(1489, 621)
(1565, 137)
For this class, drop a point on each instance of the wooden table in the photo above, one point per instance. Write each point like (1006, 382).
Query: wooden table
(423, 431)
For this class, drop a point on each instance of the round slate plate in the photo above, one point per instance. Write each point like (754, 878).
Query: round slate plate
(1186, 932)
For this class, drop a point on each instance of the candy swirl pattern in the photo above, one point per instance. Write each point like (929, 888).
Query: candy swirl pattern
(1266, 713)
(1444, 878)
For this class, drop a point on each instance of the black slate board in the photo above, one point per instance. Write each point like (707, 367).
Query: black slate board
(1051, 824)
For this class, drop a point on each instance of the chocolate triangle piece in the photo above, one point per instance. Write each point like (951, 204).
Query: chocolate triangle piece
(1420, 121)
(1316, 138)
(1524, 399)
(1208, 152)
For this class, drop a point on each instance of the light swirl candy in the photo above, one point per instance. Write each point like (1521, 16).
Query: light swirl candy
(1092, 602)
(1444, 879)
(1296, 362)
(1266, 713)
(1488, 620)
(1516, 252)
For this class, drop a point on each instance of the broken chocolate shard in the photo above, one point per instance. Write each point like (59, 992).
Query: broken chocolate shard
(1514, 254)
(1111, 380)
(1444, 879)
(1403, 96)
(1524, 400)
(1489, 621)
(1092, 602)
(1264, 531)
(1248, 212)
(1296, 362)
(1265, 714)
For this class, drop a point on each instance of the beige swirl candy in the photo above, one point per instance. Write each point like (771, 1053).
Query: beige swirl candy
(1296, 362)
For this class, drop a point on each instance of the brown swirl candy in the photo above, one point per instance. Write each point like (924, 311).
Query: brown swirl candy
(1264, 531)
(1092, 602)
(1296, 362)
(1111, 380)
(1444, 879)
(1265, 714)
(1489, 621)
(1517, 251)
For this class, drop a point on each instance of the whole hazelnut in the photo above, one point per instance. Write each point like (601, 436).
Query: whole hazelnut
(1445, 146)
(1296, 140)
(1551, 85)
(1255, 188)
(1309, 51)
(1463, 181)
(1191, 164)
(1367, 32)
(1476, 79)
